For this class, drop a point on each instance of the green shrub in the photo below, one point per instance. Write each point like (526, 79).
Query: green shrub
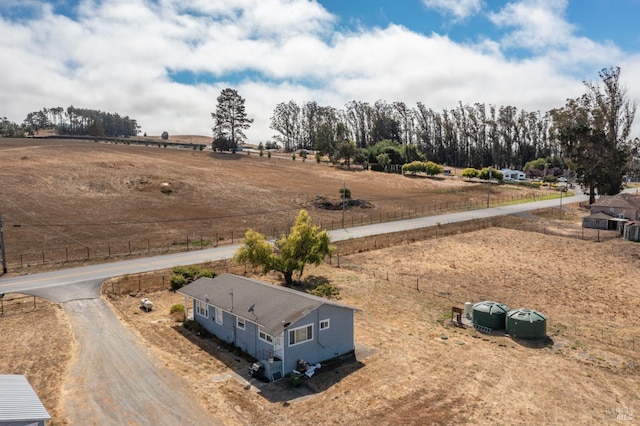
(327, 290)
(345, 193)
(469, 173)
(178, 307)
(184, 275)
(432, 169)
(177, 282)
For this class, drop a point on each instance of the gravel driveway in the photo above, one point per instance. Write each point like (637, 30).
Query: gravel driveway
(115, 380)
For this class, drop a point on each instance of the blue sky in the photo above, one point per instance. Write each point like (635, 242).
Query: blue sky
(164, 62)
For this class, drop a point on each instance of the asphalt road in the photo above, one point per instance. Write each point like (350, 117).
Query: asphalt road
(84, 282)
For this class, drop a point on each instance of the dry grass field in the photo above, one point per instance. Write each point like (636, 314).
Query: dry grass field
(413, 366)
(66, 200)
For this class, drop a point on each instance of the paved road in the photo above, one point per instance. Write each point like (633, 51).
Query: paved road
(85, 280)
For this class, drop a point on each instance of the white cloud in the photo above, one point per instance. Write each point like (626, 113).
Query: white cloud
(116, 55)
(459, 9)
(541, 27)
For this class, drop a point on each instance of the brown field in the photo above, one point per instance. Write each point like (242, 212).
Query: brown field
(66, 201)
(414, 368)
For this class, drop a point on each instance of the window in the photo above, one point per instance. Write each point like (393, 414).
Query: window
(240, 323)
(324, 324)
(218, 314)
(201, 308)
(300, 335)
(264, 336)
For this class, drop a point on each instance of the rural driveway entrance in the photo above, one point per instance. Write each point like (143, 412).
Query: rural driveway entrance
(114, 380)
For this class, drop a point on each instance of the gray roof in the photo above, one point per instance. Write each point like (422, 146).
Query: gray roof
(272, 306)
(618, 200)
(18, 401)
(602, 215)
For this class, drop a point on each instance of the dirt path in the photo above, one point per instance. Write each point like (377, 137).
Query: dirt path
(114, 380)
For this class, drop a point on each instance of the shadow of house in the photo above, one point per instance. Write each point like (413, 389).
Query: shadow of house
(277, 326)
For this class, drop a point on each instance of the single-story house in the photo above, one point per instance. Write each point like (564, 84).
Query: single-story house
(602, 220)
(626, 206)
(508, 174)
(276, 325)
(19, 404)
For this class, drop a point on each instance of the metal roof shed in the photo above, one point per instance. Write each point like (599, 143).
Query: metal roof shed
(19, 404)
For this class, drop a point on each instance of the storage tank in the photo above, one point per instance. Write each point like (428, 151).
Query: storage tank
(526, 324)
(490, 314)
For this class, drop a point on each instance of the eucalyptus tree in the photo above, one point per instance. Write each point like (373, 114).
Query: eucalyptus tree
(286, 120)
(594, 130)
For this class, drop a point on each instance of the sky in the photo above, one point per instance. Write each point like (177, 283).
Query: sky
(164, 62)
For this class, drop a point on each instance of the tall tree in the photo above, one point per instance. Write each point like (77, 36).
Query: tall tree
(230, 118)
(304, 244)
(593, 131)
(286, 120)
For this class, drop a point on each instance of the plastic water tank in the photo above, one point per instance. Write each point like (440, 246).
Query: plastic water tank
(526, 324)
(490, 314)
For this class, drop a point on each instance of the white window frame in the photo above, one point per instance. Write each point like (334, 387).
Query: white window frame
(201, 308)
(324, 324)
(218, 315)
(265, 337)
(241, 321)
(294, 331)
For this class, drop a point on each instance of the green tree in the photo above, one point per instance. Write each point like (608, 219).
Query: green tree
(470, 173)
(304, 244)
(346, 150)
(432, 169)
(593, 131)
(230, 118)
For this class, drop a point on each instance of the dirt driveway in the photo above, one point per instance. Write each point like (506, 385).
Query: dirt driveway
(115, 379)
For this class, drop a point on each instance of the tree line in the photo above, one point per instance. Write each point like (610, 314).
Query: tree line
(589, 135)
(72, 121)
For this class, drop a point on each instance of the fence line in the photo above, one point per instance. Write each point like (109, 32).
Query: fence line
(198, 241)
(429, 288)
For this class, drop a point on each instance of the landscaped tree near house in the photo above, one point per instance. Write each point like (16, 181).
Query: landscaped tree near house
(304, 244)
(230, 118)
(593, 131)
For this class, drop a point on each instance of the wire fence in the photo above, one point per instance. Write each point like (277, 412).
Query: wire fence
(136, 247)
(458, 295)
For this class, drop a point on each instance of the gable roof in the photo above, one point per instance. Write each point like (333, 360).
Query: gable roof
(618, 200)
(272, 306)
(604, 215)
(18, 400)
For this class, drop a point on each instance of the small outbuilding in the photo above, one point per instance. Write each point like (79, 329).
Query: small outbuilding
(276, 325)
(19, 404)
(632, 231)
(601, 220)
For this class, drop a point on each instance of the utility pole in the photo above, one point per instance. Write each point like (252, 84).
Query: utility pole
(2, 250)
(344, 200)
(489, 190)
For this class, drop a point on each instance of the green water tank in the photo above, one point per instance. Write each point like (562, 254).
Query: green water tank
(490, 314)
(526, 324)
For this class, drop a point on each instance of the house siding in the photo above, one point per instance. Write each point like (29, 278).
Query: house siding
(326, 344)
